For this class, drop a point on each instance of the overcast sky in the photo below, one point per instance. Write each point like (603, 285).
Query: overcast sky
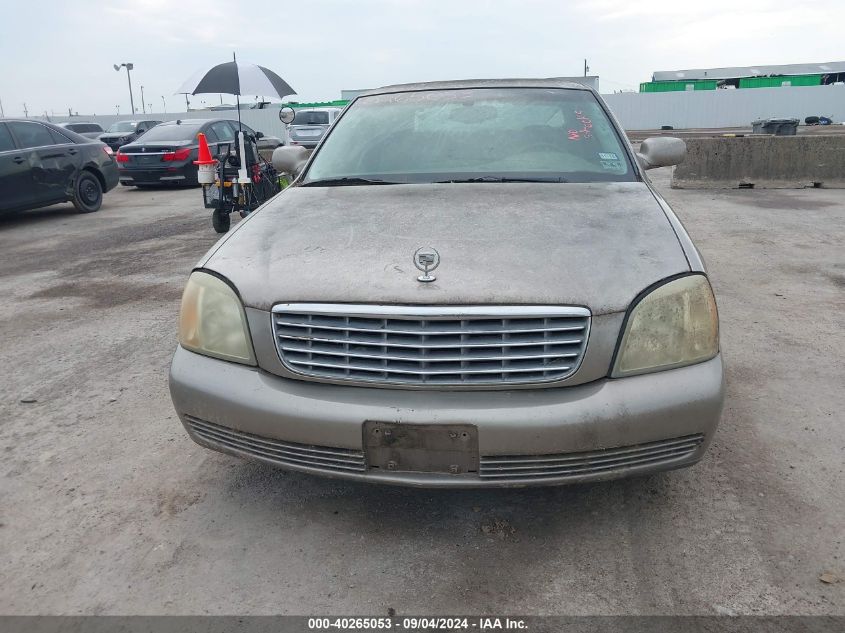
(57, 55)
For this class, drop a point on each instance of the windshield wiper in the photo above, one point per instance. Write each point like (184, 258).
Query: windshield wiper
(347, 181)
(500, 179)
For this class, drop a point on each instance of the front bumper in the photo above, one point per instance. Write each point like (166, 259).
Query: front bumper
(601, 430)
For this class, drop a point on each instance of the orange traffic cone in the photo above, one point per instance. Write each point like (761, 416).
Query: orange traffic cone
(206, 165)
(205, 155)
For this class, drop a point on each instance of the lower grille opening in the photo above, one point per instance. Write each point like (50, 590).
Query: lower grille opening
(538, 467)
(283, 453)
(501, 468)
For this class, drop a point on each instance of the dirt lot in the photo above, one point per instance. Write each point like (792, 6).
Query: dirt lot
(108, 507)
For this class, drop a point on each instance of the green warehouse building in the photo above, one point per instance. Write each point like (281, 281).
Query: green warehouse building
(742, 77)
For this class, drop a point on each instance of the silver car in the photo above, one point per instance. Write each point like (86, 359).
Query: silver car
(468, 284)
(88, 130)
(309, 125)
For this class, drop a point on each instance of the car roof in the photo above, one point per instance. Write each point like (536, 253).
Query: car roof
(551, 82)
(73, 136)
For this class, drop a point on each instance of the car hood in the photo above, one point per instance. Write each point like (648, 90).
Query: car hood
(596, 245)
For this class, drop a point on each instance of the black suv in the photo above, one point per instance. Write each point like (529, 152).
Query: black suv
(42, 164)
(123, 132)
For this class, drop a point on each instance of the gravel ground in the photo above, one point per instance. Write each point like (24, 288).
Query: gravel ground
(108, 507)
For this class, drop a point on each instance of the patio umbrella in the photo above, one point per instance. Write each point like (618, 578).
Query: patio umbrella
(237, 78)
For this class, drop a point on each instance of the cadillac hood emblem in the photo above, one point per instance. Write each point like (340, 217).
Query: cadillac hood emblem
(426, 259)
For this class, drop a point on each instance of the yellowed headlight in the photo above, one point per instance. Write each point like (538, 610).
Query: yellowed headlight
(212, 320)
(675, 325)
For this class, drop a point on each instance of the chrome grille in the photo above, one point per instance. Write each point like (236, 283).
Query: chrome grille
(283, 453)
(407, 345)
(534, 467)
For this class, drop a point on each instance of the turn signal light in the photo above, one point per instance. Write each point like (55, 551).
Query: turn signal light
(179, 154)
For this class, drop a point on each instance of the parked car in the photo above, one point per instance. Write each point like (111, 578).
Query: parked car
(560, 327)
(309, 125)
(123, 132)
(43, 164)
(166, 154)
(88, 130)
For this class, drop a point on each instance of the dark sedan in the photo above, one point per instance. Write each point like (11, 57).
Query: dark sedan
(123, 132)
(166, 154)
(43, 164)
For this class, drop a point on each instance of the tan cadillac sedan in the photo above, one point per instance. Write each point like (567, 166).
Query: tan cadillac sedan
(468, 284)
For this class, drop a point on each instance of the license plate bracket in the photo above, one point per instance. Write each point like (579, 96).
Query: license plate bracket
(423, 448)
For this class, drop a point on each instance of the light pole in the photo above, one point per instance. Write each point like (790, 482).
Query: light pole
(143, 107)
(129, 67)
(163, 105)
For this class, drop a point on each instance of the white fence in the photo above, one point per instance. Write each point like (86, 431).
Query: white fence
(636, 111)
(725, 108)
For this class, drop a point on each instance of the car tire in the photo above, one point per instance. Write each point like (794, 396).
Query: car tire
(221, 221)
(87, 193)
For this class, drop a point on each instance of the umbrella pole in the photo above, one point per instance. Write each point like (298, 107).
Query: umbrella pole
(243, 176)
(238, 96)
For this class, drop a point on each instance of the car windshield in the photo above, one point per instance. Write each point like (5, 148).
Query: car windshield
(185, 131)
(479, 134)
(122, 126)
(311, 117)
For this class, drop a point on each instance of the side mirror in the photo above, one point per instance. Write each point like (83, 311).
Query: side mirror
(140, 131)
(259, 135)
(661, 151)
(286, 115)
(290, 159)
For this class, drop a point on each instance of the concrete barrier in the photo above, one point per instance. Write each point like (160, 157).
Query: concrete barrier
(773, 162)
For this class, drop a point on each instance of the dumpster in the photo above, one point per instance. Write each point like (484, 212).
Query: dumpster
(778, 127)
